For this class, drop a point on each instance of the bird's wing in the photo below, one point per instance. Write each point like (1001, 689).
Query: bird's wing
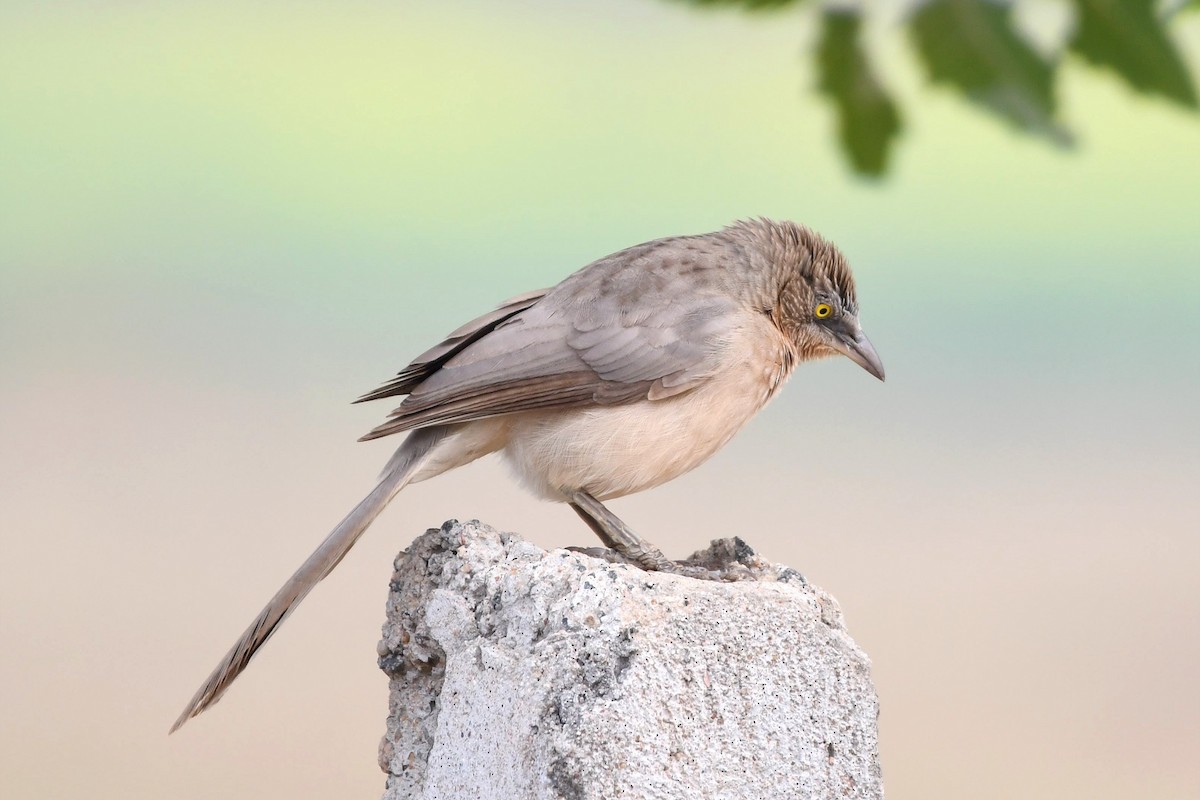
(432, 359)
(579, 345)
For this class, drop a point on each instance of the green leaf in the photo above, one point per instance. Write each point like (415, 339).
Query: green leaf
(971, 45)
(868, 120)
(1127, 37)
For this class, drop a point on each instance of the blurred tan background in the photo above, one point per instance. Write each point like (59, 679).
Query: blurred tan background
(220, 223)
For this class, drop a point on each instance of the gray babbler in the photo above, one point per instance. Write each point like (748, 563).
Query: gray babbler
(631, 372)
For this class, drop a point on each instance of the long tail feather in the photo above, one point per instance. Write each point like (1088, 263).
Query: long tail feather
(403, 466)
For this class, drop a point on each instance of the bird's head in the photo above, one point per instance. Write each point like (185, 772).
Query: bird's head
(824, 316)
(811, 293)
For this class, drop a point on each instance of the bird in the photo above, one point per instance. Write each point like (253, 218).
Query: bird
(630, 372)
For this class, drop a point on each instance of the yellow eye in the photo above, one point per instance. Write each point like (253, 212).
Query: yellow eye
(823, 310)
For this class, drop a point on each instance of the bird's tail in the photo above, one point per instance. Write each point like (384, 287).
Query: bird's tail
(415, 450)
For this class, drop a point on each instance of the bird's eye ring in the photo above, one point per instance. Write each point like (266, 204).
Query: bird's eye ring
(823, 310)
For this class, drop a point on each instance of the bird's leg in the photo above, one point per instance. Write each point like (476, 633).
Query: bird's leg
(633, 548)
(617, 535)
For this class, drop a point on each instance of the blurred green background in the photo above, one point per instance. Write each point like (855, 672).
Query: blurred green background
(221, 222)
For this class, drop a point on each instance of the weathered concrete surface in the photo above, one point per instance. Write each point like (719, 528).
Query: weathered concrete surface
(517, 673)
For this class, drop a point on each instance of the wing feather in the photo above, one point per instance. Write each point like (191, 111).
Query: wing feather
(432, 359)
(582, 343)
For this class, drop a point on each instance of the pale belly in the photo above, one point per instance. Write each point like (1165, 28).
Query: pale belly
(614, 451)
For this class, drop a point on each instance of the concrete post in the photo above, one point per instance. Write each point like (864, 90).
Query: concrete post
(519, 673)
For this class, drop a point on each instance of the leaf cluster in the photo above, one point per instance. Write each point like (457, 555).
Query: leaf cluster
(974, 48)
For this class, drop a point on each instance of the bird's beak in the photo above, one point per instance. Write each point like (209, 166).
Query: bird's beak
(860, 350)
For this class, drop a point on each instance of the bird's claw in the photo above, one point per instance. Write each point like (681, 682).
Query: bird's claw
(725, 560)
(604, 554)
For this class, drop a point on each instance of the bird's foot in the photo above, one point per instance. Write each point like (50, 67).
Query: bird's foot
(724, 560)
(604, 554)
(648, 559)
(728, 573)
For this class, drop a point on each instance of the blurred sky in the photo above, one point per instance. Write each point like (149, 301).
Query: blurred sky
(221, 222)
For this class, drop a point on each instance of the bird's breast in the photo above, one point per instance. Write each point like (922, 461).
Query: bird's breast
(610, 451)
